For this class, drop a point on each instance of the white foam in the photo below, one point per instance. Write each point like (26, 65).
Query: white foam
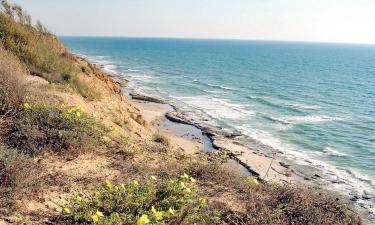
(333, 152)
(216, 108)
(309, 119)
(212, 92)
(220, 86)
(303, 106)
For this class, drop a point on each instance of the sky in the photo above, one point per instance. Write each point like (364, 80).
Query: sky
(347, 21)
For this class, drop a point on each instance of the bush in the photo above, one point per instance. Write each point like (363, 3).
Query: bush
(12, 90)
(37, 128)
(173, 201)
(17, 176)
(160, 138)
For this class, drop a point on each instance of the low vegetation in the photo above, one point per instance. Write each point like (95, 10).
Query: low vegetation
(62, 130)
(160, 138)
(173, 201)
(39, 50)
(18, 177)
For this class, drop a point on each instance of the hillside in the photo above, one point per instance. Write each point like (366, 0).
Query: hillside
(75, 150)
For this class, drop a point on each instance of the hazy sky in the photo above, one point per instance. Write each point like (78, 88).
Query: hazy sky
(302, 20)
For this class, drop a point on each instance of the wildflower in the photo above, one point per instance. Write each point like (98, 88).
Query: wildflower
(80, 109)
(26, 106)
(108, 184)
(69, 110)
(99, 214)
(66, 210)
(185, 176)
(143, 220)
(78, 198)
(182, 184)
(188, 190)
(192, 180)
(95, 218)
(172, 181)
(135, 182)
(171, 211)
(159, 215)
(202, 201)
(254, 182)
(78, 114)
(153, 210)
(154, 178)
(122, 186)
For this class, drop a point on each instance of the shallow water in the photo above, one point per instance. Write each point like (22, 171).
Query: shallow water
(313, 102)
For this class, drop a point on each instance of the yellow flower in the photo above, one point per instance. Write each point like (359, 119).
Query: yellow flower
(159, 215)
(78, 198)
(193, 180)
(188, 190)
(78, 114)
(143, 220)
(154, 178)
(182, 184)
(153, 210)
(66, 210)
(172, 181)
(135, 182)
(99, 214)
(185, 176)
(254, 182)
(69, 110)
(108, 184)
(80, 109)
(95, 218)
(26, 106)
(122, 186)
(171, 211)
(202, 201)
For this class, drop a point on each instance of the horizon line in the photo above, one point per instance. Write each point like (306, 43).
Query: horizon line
(221, 39)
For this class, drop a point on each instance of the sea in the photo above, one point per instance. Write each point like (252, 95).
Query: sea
(312, 103)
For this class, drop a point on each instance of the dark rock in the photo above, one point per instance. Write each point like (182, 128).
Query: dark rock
(146, 98)
(284, 165)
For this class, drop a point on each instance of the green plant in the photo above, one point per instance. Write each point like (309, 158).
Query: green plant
(173, 201)
(160, 138)
(38, 128)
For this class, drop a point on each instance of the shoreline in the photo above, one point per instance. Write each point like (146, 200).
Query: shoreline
(262, 166)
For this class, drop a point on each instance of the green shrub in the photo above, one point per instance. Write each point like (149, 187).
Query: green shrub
(38, 128)
(173, 201)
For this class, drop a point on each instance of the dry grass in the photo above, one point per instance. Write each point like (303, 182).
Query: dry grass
(18, 178)
(12, 88)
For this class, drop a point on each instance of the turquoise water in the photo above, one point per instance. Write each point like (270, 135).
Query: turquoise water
(315, 103)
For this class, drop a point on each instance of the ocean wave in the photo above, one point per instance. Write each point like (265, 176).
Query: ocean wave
(216, 108)
(312, 119)
(212, 92)
(344, 180)
(283, 103)
(333, 152)
(220, 86)
(110, 68)
(132, 70)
